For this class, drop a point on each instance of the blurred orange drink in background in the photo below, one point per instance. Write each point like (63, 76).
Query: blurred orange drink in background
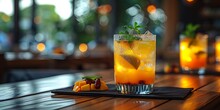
(193, 52)
(217, 49)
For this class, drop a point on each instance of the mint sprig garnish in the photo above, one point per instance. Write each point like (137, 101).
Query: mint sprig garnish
(191, 30)
(130, 31)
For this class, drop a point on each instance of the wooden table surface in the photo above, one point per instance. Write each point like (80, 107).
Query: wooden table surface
(36, 94)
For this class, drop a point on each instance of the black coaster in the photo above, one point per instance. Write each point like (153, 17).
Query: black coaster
(158, 93)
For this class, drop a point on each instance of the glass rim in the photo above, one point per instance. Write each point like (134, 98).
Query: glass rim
(200, 35)
(143, 36)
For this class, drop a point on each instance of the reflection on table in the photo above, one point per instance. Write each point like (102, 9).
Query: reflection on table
(36, 94)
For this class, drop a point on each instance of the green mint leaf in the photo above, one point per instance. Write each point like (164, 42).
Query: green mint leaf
(130, 31)
(190, 30)
(130, 27)
(135, 24)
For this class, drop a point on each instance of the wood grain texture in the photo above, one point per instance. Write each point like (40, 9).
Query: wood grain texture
(42, 101)
(119, 103)
(214, 86)
(185, 81)
(196, 101)
(116, 104)
(14, 90)
(206, 94)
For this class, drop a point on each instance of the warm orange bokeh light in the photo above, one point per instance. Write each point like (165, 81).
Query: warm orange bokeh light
(217, 52)
(218, 46)
(83, 47)
(151, 9)
(104, 9)
(189, 1)
(41, 47)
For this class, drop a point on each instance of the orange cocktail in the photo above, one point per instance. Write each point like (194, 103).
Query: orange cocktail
(217, 50)
(193, 52)
(134, 64)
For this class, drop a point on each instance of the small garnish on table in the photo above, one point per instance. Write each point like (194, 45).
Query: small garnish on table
(89, 83)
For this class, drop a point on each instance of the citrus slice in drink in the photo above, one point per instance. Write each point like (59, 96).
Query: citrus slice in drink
(128, 61)
(200, 53)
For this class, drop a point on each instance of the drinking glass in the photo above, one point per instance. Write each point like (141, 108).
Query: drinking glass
(217, 49)
(193, 53)
(134, 63)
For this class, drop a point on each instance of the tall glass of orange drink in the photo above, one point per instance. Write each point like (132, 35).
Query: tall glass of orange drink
(193, 53)
(134, 64)
(217, 50)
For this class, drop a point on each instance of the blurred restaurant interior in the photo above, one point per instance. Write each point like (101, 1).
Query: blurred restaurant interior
(42, 38)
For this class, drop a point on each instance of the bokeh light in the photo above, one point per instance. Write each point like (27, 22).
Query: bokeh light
(5, 18)
(41, 47)
(62, 7)
(132, 11)
(158, 15)
(217, 50)
(190, 1)
(6, 6)
(83, 47)
(104, 9)
(151, 9)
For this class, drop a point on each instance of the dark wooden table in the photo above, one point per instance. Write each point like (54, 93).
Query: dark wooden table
(36, 94)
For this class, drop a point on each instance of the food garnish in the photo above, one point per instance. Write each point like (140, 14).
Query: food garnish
(89, 83)
(190, 32)
(130, 32)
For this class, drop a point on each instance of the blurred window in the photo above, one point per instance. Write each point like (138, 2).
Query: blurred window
(60, 25)
(6, 13)
(25, 24)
